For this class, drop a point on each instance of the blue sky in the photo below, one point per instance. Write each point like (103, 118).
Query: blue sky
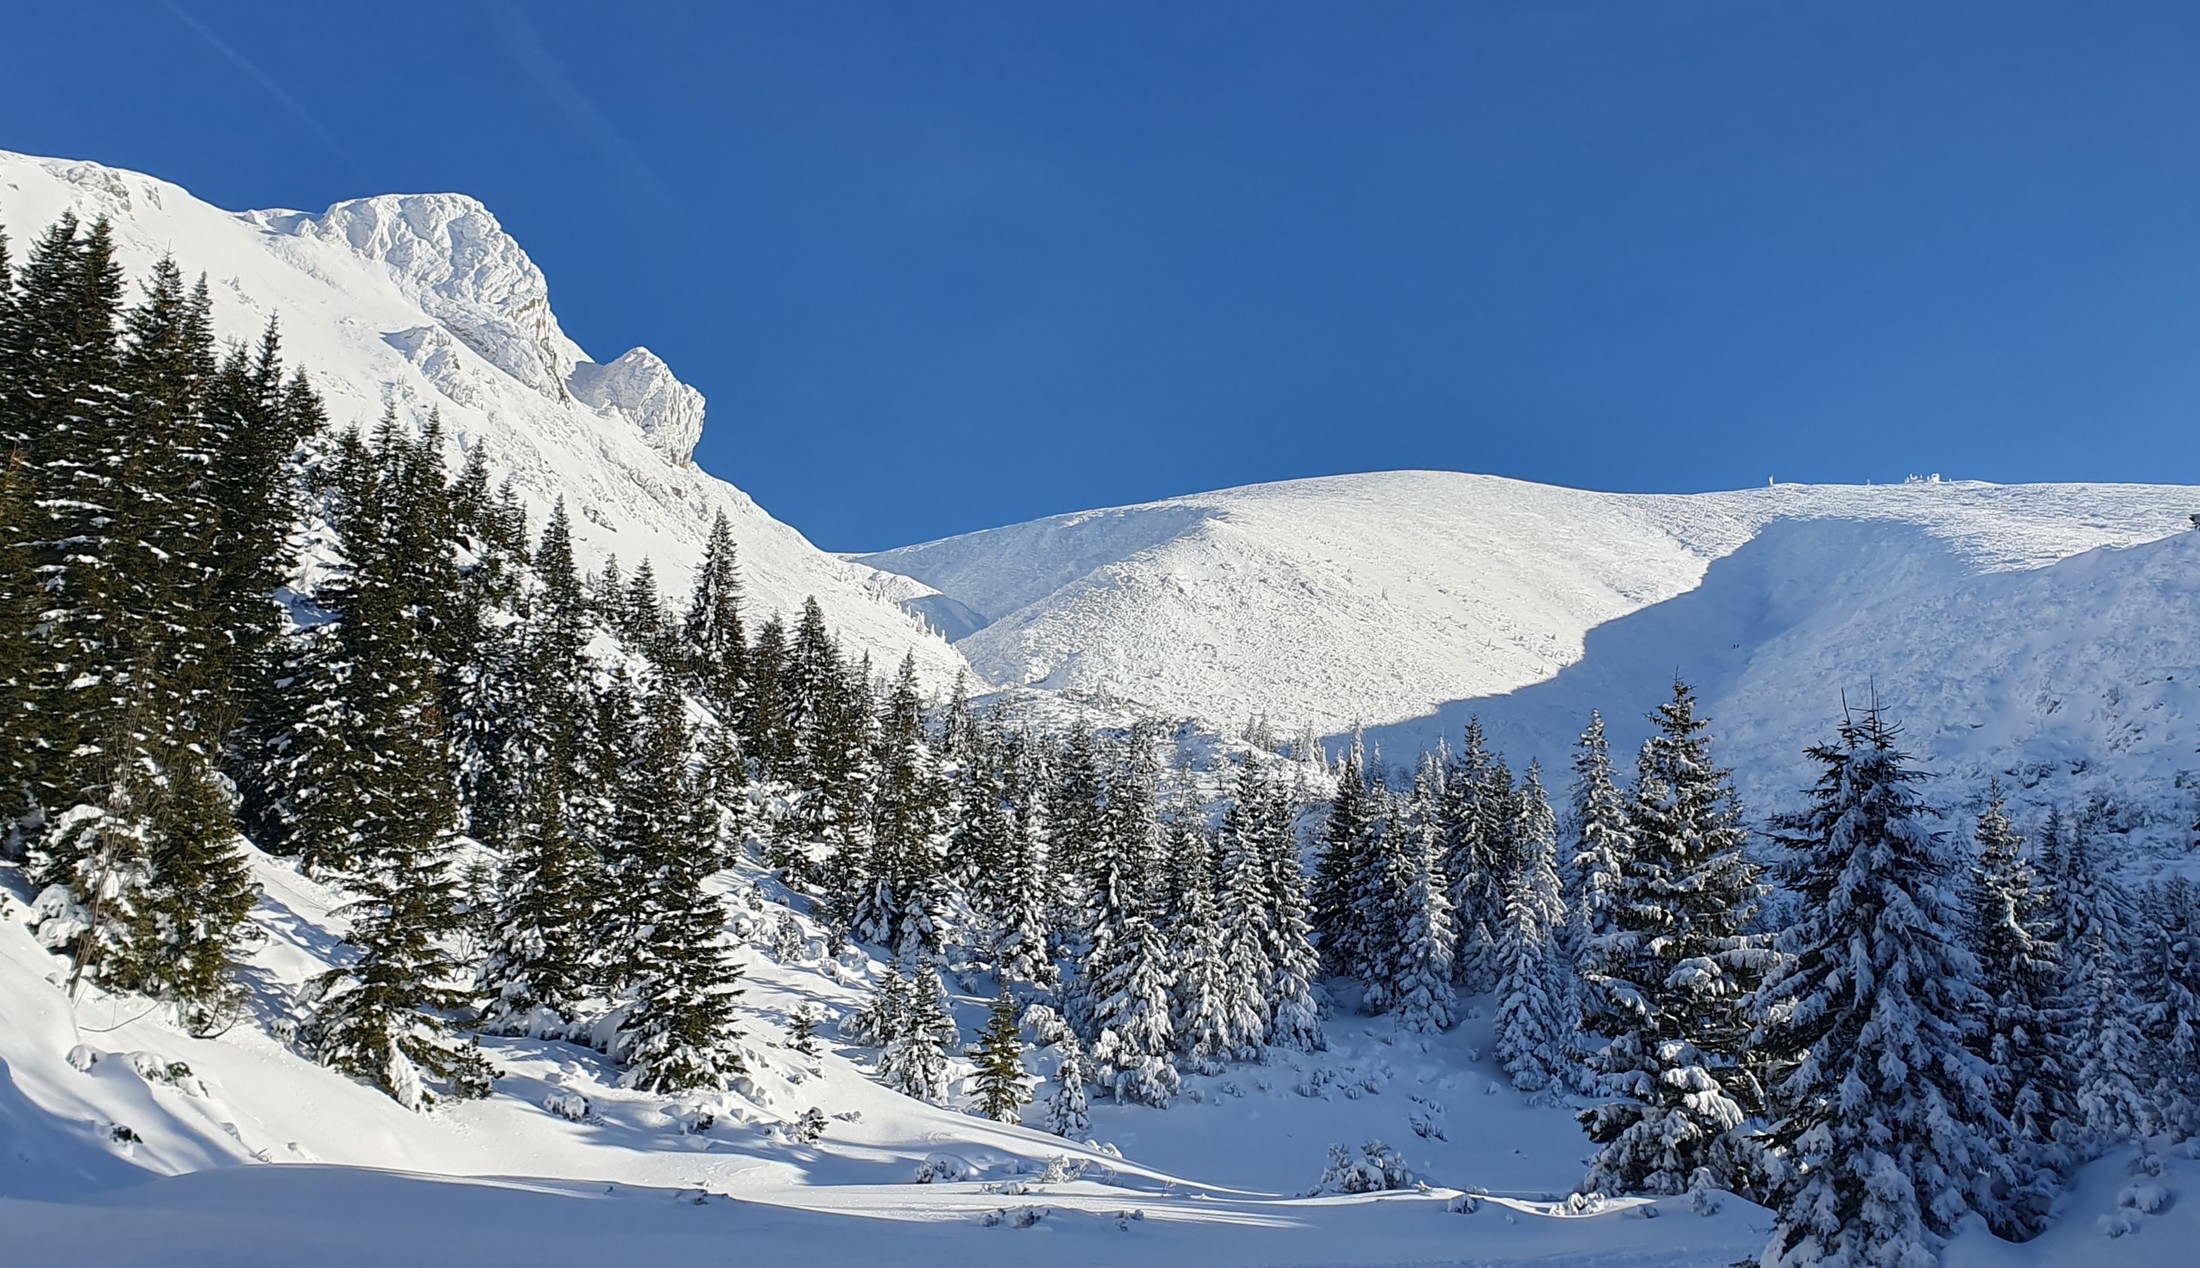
(948, 265)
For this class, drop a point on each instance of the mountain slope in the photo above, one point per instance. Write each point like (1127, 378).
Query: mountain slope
(424, 304)
(1405, 600)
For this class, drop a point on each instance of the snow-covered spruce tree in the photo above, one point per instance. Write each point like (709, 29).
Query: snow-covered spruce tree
(123, 681)
(1534, 1023)
(1478, 857)
(1133, 1037)
(391, 789)
(1293, 964)
(1425, 1002)
(714, 651)
(1078, 796)
(905, 899)
(1350, 931)
(1673, 983)
(1884, 1114)
(1599, 842)
(679, 1029)
(982, 822)
(913, 1061)
(1119, 886)
(1249, 934)
(68, 414)
(1004, 1087)
(1069, 1115)
(843, 758)
(1201, 995)
(2092, 917)
(2024, 1037)
(1381, 895)
(881, 1018)
(537, 965)
(19, 649)
(770, 738)
(1018, 895)
(477, 648)
(2169, 1005)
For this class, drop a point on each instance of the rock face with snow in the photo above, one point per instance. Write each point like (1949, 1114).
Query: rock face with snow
(2048, 633)
(640, 388)
(422, 303)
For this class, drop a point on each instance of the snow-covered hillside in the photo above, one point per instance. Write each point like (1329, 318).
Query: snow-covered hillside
(424, 302)
(2024, 629)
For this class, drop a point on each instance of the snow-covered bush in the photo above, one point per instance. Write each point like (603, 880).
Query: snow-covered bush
(1376, 1168)
(566, 1104)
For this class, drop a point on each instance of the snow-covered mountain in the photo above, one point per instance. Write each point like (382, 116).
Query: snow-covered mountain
(2032, 631)
(423, 302)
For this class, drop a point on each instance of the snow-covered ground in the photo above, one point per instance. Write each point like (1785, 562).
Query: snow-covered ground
(240, 1152)
(273, 1160)
(425, 304)
(2039, 632)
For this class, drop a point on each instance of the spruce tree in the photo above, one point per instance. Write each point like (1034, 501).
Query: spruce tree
(1018, 894)
(679, 1030)
(1133, 1036)
(2024, 1037)
(1885, 1114)
(1477, 856)
(1347, 881)
(537, 966)
(1069, 1115)
(770, 737)
(1424, 1000)
(1249, 935)
(2169, 1005)
(384, 797)
(904, 902)
(1292, 963)
(1600, 844)
(1534, 1026)
(1200, 995)
(712, 645)
(1673, 983)
(2091, 917)
(913, 1061)
(1003, 1086)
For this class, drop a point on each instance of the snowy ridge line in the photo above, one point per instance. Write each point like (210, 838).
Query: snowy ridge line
(2015, 629)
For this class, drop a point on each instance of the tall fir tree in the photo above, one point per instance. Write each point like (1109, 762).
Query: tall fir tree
(2024, 1035)
(1477, 856)
(2090, 912)
(537, 966)
(1674, 981)
(1343, 896)
(713, 648)
(1884, 1113)
(678, 1032)
(1425, 1001)
(2169, 1003)
(386, 794)
(1534, 1026)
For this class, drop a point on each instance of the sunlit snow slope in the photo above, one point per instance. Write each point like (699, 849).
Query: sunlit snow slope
(424, 303)
(2013, 629)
